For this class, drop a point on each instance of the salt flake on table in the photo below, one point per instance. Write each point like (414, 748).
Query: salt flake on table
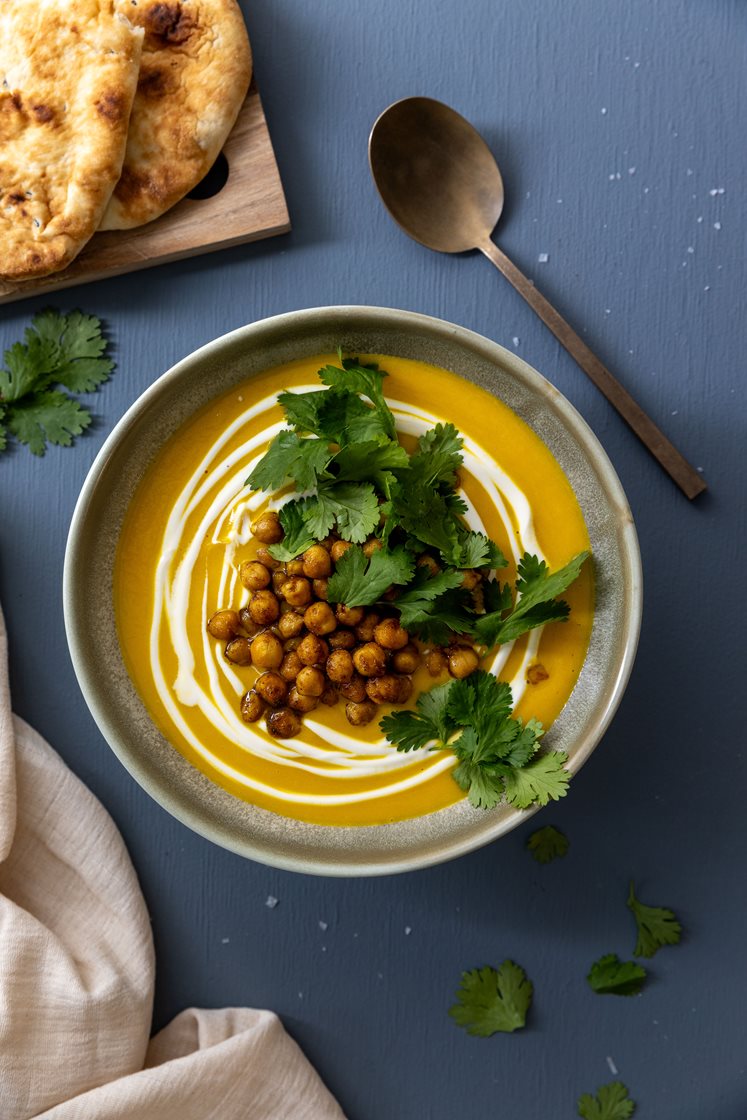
(631, 171)
(717, 225)
(225, 940)
(322, 926)
(408, 931)
(271, 902)
(516, 340)
(613, 1068)
(604, 112)
(543, 258)
(691, 249)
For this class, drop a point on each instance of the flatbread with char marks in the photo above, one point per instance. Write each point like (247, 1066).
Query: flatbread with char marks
(195, 74)
(68, 75)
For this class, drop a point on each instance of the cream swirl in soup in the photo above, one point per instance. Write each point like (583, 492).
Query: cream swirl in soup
(188, 530)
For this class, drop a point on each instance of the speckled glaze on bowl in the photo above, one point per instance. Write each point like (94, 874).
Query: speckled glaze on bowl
(172, 399)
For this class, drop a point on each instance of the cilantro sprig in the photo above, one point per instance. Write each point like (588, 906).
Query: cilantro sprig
(492, 1000)
(547, 844)
(497, 754)
(60, 352)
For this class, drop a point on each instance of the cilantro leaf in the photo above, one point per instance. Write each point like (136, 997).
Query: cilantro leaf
(352, 505)
(547, 844)
(30, 367)
(365, 380)
(409, 731)
(435, 606)
(543, 779)
(289, 457)
(79, 345)
(475, 550)
(47, 417)
(484, 785)
(491, 1000)
(610, 1103)
(369, 460)
(438, 457)
(536, 603)
(358, 581)
(302, 409)
(611, 976)
(297, 537)
(656, 925)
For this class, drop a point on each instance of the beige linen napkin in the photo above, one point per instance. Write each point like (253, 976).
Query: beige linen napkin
(77, 971)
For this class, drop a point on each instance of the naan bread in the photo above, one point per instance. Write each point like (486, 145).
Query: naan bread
(68, 73)
(195, 73)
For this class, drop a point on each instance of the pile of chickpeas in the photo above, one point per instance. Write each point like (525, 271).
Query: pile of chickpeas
(310, 652)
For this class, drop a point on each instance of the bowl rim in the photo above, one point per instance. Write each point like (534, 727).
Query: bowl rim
(486, 349)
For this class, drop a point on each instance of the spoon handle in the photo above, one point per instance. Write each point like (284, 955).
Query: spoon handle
(676, 466)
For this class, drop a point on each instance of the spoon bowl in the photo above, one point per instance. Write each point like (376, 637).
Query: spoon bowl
(435, 174)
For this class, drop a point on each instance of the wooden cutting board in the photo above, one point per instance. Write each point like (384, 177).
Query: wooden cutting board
(250, 205)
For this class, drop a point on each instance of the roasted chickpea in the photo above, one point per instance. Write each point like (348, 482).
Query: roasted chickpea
(290, 666)
(471, 579)
(406, 660)
(283, 723)
(320, 618)
(239, 651)
(252, 706)
(340, 666)
(313, 650)
(269, 561)
(267, 528)
(301, 701)
(254, 575)
(223, 625)
(427, 561)
(310, 681)
(436, 662)
(267, 650)
(462, 661)
(373, 544)
(297, 591)
(319, 587)
(279, 580)
(365, 628)
(248, 622)
(338, 549)
(354, 690)
(358, 714)
(349, 616)
(316, 562)
(370, 660)
(290, 624)
(342, 639)
(390, 635)
(330, 696)
(264, 607)
(294, 567)
(389, 689)
(272, 688)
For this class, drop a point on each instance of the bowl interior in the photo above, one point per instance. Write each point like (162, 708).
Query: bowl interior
(89, 609)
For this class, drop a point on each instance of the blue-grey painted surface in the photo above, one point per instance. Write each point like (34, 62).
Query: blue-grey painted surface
(614, 124)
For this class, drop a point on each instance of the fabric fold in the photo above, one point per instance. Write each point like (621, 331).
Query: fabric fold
(77, 975)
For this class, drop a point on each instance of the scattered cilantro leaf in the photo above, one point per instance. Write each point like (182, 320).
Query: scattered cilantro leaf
(434, 607)
(536, 604)
(610, 1103)
(547, 844)
(302, 409)
(64, 350)
(359, 581)
(288, 457)
(297, 536)
(656, 925)
(47, 417)
(491, 1000)
(369, 460)
(611, 976)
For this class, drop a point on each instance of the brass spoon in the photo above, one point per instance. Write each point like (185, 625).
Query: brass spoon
(439, 181)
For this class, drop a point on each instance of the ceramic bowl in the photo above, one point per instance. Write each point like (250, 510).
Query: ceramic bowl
(172, 399)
